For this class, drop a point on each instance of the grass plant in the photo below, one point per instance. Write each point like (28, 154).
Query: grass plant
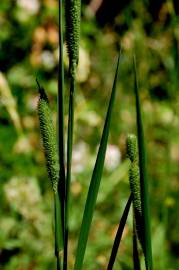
(54, 149)
(72, 18)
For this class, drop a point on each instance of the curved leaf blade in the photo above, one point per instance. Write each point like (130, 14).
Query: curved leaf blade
(95, 182)
(119, 233)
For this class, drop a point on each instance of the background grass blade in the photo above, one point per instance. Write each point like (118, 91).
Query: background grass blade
(95, 182)
(69, 160)
(143, 179)
(136, 259)
(60, 118)
(118, 237)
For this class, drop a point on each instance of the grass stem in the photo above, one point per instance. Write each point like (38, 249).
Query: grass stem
(118, 236)
(136, 259)
(69, 161)
(58, 229)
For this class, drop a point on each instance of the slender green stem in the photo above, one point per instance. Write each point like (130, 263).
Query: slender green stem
(60, 120)
(69, 161)
(58, 262)
(136, 259)
(118, 236)
(58, 230)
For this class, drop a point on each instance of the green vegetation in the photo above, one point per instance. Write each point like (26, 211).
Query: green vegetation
(29, 43)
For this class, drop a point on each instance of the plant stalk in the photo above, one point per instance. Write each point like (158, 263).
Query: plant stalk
(69, 162)
(58, 230)
(118, 236)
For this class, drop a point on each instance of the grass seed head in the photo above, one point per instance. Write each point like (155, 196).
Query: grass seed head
(134, 180)
(132, 147)
(73, 15)
(48, 138)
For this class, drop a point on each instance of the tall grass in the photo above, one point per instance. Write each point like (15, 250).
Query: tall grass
(72, 18)
(54, 149)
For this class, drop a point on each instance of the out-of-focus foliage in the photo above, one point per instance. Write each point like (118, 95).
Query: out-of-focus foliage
(29, 49)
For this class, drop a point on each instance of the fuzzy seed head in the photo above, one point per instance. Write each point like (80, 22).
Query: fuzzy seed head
(135, 185)
(134, 180)
(132, 147)
(73, 17)
(48, 138)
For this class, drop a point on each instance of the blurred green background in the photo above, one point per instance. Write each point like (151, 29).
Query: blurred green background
(29, 49)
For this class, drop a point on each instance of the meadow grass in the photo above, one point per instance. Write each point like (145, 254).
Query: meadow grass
(54, 149)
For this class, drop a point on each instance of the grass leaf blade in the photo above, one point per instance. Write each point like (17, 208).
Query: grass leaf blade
(118, 236)
(69, 161)
(143, 179)
(95, 183)
(60, 118)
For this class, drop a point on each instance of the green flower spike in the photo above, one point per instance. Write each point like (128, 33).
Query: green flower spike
(134, 179)
(48, 138)
(73, 17)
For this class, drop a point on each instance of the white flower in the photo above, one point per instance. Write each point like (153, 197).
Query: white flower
(48, 60)
(113, 157)
(30, 6)
(80, 157)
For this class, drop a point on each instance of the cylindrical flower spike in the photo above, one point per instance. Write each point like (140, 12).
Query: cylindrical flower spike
(73, 16)
(48, 138)
(134, 180)
(132, 147)
(135, 186)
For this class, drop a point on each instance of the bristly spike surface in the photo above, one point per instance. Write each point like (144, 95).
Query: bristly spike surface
(48, 137)
(135, 185)
(132, 147)
(134, 180)
(73, 17)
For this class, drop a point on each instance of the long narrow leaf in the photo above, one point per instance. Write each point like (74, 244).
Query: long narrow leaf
(143, 180)
(95, 183)
(119, 233)
(60, 119)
